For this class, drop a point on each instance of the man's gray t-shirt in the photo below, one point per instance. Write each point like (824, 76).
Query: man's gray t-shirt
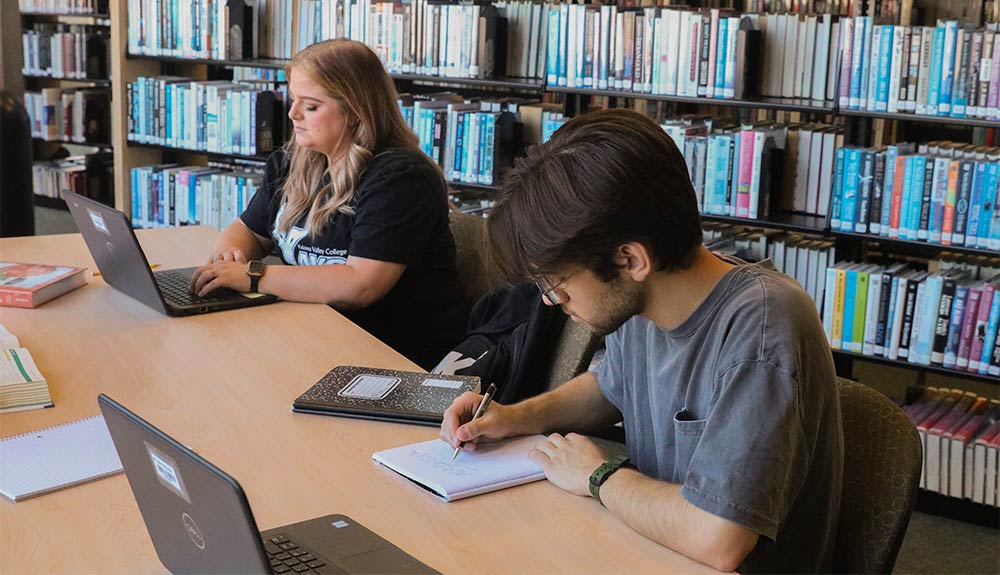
(739, 404)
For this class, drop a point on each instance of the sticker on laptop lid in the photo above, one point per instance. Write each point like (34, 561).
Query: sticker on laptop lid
(447, 383)
(97, 218)
(340, 524)
(167, 472)
(368, 386)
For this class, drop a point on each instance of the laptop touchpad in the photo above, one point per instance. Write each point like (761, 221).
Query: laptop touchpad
(385, 560)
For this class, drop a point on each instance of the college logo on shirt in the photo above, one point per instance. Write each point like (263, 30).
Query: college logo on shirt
(294, 253)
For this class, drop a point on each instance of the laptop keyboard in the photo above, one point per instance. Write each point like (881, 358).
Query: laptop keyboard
(175, 288)
(289, 558)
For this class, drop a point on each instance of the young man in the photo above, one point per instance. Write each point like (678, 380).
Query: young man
(719, 369)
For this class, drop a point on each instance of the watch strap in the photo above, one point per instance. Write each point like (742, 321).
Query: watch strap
(603, 472)
(254, 283)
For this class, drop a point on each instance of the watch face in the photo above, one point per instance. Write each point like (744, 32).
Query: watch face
(255, 267)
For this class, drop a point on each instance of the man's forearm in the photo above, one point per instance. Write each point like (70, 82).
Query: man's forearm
(657, 510)
(576, 406)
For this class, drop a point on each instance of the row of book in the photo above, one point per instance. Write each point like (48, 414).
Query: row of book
(216, 116)
(65, 51)
(88, 175)
(801, 55)
(70, 114)
(939, 192)
(949, 69)
(945, 318)
(63, 6)
(203, 29)
(960, 435)
(733, 170)
(171, 195)
(473, 142)
(808, 169)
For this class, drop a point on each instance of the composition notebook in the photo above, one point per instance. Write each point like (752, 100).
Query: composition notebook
(55, 458)
(492, 466)
(384, 394)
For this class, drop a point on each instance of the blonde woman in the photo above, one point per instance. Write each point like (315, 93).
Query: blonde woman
(353, 207)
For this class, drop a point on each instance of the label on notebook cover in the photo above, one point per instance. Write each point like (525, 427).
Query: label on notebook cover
(367, 392)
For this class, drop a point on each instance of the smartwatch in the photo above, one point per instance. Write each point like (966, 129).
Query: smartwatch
(255, 270)
(602, 473)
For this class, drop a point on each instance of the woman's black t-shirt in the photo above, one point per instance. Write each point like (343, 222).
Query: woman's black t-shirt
(400, 216)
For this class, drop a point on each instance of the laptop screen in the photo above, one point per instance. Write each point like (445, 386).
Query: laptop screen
(197, 516)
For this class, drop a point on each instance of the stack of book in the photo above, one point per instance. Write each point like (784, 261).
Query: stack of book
(70, 114)
(218, 116)
(940, 192)
(22, 386)
(734, 170)
(473, 142)
(805, 259)
(945, 318)
(950, 69)
(65, 51)
(171, 195)
(960, 435)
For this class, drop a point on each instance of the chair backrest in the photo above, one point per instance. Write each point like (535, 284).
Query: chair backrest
(572, 354)
(469, 232)
(882, 462)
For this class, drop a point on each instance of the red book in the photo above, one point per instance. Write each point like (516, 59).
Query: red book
(31, 285)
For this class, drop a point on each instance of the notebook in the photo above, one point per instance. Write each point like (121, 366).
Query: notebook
(55, 458)
(491, 467)
(384, 394)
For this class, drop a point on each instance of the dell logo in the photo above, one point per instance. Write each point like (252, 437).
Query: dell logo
(111, 247)
(192, 530)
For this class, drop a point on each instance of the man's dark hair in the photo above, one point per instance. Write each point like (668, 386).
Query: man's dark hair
(605, 178)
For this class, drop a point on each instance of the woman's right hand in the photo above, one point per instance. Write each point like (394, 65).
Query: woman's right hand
(225, 255)
(496, 423)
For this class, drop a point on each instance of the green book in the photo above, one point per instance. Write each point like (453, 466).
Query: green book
(860, 306)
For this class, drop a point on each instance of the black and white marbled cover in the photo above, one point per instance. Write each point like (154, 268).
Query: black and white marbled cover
(415, 397)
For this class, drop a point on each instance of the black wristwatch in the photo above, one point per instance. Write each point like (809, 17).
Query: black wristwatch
(602, 473)
(255, 270)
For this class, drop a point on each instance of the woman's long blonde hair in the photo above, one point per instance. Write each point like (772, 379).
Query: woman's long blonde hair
(350, 73)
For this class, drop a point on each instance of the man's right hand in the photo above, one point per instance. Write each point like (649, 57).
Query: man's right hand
(496, 423)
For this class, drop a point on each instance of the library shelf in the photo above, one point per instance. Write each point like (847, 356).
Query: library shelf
(97, 145)
(777, 221)
(760, 102)
(849, 356)
(261, 158)
(96, 15)
(960, 509)
(99, 82)
(477, 187)
(916, 244)
(969, 122)
(517, 84)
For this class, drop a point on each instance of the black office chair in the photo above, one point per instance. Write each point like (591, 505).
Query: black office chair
(882, 461)
(17, 201)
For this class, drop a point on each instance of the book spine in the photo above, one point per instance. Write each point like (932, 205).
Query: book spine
(942, 319)
(955, 327)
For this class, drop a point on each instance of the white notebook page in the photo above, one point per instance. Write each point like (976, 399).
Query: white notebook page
(490, 467)
(56, 457)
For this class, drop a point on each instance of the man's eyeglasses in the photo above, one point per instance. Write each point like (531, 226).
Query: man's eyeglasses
(551, 292)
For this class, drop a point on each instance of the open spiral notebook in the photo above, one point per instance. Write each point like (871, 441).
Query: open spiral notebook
(55, 458)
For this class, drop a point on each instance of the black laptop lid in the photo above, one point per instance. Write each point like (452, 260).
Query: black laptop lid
(197, 516)
(115, 249)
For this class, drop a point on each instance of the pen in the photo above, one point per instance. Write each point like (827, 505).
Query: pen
(151, 266)
(479, 411)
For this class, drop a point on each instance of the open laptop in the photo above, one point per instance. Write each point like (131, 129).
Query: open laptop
(123, 265)
(200, 520)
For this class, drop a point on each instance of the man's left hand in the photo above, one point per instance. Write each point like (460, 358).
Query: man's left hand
(220, 274)
(568, 461)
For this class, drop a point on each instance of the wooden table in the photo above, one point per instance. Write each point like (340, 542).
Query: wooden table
(223, 383)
